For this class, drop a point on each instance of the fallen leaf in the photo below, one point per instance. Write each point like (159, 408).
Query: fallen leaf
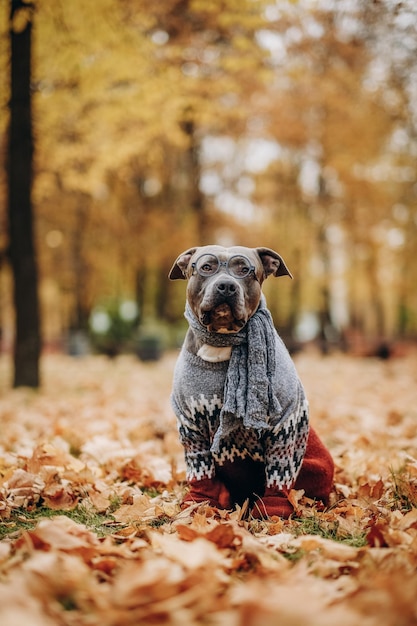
(102, 434)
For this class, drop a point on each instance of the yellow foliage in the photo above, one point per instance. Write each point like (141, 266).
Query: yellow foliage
(116, 82)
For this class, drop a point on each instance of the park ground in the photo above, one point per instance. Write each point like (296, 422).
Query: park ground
(92, 474)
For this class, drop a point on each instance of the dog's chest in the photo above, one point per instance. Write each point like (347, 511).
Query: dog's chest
(214, 354)
(199, 383)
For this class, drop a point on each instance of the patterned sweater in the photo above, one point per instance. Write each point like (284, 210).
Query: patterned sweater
(197, 399)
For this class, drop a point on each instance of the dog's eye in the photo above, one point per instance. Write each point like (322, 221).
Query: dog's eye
(242, 270)
(207, 265)
(239, 266)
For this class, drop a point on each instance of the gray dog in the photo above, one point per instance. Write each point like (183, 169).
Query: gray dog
(241, 408)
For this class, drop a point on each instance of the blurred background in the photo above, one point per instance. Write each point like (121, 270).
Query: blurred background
(163, 125)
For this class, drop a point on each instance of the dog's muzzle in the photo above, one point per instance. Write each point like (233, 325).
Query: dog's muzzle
(222, 308)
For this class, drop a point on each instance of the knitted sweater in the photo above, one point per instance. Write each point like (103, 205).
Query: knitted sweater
(280, 442)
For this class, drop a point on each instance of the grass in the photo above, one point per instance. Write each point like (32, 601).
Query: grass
(24, 519)
(404, 488)
(103, 524)
(157, 522)
(328, 530)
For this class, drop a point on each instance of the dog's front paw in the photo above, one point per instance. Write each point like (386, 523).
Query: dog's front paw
(274, 502)
(208, 489)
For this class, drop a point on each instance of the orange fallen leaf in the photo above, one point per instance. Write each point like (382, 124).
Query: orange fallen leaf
(63, 534)
(223, 535)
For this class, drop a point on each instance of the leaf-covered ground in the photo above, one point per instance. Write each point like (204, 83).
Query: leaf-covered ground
(91, 476)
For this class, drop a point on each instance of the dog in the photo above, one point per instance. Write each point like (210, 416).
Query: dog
(242, 413)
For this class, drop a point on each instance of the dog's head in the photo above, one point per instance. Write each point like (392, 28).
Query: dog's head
(224, 284)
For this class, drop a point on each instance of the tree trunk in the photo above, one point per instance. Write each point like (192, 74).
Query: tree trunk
(196, 197)
(81, 313)
(21, 241)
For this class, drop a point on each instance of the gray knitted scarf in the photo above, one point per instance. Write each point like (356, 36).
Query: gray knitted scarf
(249, 388)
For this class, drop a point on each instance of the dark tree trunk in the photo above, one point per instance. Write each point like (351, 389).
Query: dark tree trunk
(21, 241)
(81, 313)
(196, 197)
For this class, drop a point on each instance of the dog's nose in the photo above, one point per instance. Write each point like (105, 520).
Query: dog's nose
(226, 288)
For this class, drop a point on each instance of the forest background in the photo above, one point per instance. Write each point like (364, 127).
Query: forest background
(161, 126)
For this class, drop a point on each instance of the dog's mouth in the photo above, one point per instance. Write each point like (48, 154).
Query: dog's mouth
(220, 319)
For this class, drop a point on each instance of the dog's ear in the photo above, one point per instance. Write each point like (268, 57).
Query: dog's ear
(179, 269)
(273, 263)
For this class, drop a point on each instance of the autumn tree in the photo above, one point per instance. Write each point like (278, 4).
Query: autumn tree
(131, 105)
(124, 115)
(337, 179)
